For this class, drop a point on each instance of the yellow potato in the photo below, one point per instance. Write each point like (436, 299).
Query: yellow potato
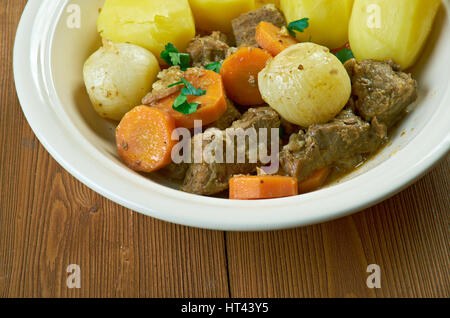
(147, 23)
(305, 84)
(216, 15)
(391, 29)
(328, 20)
(260, 3)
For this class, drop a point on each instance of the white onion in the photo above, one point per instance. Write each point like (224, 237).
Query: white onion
(305, 84)
(118, 76)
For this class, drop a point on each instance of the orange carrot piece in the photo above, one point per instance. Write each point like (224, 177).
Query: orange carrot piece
(212, 105)
(144, 138)
(240, 75)
(262, 187)
(315, 181)
(269, 37)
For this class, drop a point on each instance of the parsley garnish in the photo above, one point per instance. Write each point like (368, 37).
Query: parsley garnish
(214, 67)
(299, 25)
(173, 57)
(181, 103)
(344, 55)
(189, 89)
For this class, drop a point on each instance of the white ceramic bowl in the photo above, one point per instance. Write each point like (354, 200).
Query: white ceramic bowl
(48, 58)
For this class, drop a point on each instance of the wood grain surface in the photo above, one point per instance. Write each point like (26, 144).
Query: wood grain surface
(49, 220)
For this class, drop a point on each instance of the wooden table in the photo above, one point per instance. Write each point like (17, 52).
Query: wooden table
(49, 220)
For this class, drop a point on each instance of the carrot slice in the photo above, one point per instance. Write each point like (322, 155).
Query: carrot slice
(240, 75)
(315, 181)
(271, 39)
(144, 138)
(262, 187)
(212, 105)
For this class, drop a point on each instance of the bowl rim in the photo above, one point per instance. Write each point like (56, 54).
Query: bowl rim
(53, 128)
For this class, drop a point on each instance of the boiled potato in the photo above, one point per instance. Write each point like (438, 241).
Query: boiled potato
(391, 29)
(118, 76)
(216, 15)
(260, 3)
(328, 20)
(147, 23)
(305, 84)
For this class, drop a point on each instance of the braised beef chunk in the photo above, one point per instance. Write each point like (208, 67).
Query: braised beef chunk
(208, 178)
(160, 88)
(205, 50)
(261, 117)
(244, 27)
(380, 90)
(342, 139)
(286, 130)
(178, 171)
(232, 114)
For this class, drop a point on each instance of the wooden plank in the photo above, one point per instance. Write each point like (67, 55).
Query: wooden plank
(48, 220)
(407, 236)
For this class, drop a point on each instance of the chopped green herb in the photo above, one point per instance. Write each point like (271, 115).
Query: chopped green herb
(187, 108)
(183, 106)
(181, 59)
(214, 67)
(188, 88)
(180, 100)
(173, 57)
(175, 84)
(299, 25)
(344, 55)
(165, 55)
(181, 103)
(191, 90)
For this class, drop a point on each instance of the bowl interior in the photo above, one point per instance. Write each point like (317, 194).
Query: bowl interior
(76, 45)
